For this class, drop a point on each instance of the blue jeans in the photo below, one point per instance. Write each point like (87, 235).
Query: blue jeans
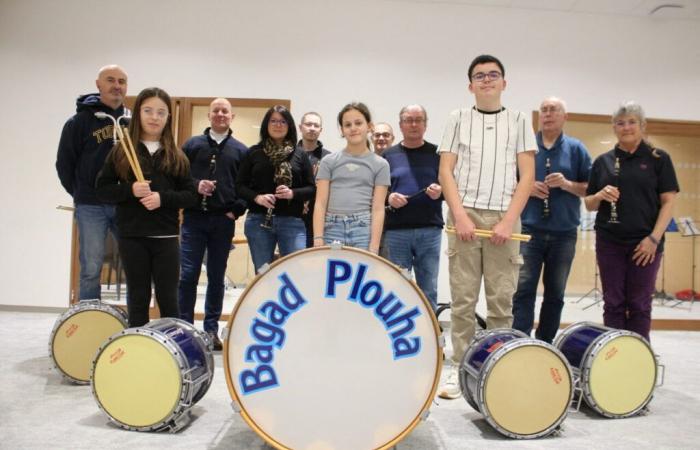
(200, 232)
(556, 252)
(287, 232)
(93, 223)
(352, 230)
(417, 249)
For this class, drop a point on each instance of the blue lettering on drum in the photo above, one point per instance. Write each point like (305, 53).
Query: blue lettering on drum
(389, 309)
(268, 334)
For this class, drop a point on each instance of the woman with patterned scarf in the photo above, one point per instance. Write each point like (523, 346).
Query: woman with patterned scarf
(275, 179)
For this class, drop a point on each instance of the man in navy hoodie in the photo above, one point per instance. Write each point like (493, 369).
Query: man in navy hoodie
(85, 142)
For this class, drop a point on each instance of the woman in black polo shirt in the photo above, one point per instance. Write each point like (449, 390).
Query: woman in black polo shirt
(633, 188)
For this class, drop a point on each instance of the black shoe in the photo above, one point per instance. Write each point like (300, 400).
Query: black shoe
(216, 342)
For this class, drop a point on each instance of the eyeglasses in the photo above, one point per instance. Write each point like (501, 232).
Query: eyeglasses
(492, 76)
(159, 113)
(413, 120)
(280, 122)
(385, 135)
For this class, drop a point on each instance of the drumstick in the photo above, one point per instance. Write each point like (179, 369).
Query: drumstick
(127, 152)
(488, 233)
(122, 143)
(137, 165)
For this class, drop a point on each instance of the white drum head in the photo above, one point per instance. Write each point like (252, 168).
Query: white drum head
(313, 371)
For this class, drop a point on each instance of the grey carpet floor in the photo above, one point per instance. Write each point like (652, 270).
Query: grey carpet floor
(39, 410)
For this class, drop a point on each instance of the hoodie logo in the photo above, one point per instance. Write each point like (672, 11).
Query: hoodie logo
(104, 133)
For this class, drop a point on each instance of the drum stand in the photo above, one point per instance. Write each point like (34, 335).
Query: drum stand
(662, 295)
(693, 292)
(596, 293)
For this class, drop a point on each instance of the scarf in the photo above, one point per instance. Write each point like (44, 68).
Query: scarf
(279, 155)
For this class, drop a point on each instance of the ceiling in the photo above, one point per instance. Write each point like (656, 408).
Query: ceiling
(657, 9)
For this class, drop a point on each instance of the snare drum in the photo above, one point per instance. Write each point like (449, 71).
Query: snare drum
(522, 386)
(147, 378)
(332, 325)
(616, 369)
(78, 333)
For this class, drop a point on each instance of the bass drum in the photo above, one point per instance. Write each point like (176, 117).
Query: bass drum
(78, 334)
(522, 386)
(616, 369)
(336, 325)
(147, 378)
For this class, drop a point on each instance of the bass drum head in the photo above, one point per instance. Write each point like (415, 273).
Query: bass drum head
(285, 365)
(77, 338)
(622, 375)
(137, 381)
(527, 389)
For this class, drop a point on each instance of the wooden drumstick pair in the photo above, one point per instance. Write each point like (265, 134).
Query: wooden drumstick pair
(488, 233)
(128, 147)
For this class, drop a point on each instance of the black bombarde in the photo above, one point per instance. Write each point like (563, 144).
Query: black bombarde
(545, 207)
(212, 169)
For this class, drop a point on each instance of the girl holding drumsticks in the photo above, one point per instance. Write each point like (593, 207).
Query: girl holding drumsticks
(147, 211)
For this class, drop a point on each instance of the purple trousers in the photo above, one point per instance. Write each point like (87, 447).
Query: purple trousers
(627, 287)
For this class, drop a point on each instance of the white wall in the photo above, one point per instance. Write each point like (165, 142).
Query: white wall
(319, 54)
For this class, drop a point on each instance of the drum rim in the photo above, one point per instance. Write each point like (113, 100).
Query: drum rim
(566, 332)
(180, 407)
(75, 309)
(436, 328)
(491, 362)
(465, 368)
(203, 340)
(587, 364)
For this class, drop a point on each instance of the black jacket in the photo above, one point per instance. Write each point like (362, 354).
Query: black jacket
(257, 177)
(85, 143)
(133, 219)
(229, 156)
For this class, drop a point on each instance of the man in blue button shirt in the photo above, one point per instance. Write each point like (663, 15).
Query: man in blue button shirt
(551, 217)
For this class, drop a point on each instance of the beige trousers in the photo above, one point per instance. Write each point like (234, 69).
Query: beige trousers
(468, 262)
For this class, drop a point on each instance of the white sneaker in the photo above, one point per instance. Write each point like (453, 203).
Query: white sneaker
(450, 389)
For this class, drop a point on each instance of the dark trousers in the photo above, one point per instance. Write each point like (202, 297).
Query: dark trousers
(553, 252)
(627, 287)
(211, 233)
(149, 260)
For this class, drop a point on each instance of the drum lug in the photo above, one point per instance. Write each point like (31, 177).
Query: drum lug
(236, 407)
(224, 334)
(264, 268)
(578, 390)
(424, 415)
(179, 423)
(406, 274)
(663, 374)
(441, 341)
(335, 245)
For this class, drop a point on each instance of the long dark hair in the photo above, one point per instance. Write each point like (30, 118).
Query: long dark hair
(174, 161)
(287, 116)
